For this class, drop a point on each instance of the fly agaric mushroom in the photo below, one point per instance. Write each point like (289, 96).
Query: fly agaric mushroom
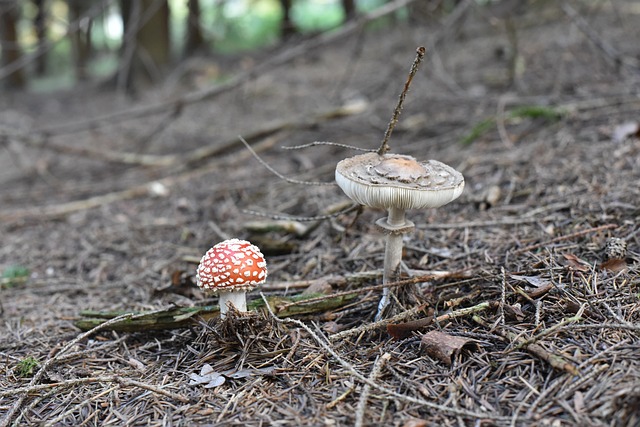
(396, 182)
(230, 269)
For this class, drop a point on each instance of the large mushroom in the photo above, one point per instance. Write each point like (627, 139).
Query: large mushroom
(230, 269)
(397, 182)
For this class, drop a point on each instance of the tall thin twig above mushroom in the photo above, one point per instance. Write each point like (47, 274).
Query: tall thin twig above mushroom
(384, 147)
(396, 183)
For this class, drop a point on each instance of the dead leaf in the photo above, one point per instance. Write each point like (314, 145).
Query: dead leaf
(444, 347)
(575, 263)
(538, 292)
(210, 378)
(404, 330)
(614, 265)
(514, 312)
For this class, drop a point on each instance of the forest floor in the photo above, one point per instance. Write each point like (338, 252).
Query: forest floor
(527, 307)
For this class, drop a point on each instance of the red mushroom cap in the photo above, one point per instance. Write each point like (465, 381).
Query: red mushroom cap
(232, 265)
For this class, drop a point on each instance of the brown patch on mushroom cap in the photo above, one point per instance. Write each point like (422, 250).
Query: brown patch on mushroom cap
(232, 265)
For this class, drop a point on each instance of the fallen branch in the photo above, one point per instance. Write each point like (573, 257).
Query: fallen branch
(63, 209)
(41, 141)
(182, 317)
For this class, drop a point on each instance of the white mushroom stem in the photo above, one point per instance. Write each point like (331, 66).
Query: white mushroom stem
(392, 254)
(237, 298)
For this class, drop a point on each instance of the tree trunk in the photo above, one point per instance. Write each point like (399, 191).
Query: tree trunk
(11, 53)
(80, 39)
(195, 40)
(146, 45)
(349, 8)
(287, 27)
(40, 27)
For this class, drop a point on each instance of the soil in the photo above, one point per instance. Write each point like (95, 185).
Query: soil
(526, 273)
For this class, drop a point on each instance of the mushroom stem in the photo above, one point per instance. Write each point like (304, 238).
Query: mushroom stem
(392, 255)
(237, 299)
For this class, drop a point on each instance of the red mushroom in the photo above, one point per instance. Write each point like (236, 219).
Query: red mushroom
(230, 269)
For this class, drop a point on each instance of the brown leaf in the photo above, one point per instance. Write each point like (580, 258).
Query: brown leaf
(401, 331)
(514, 312)
(614, 265)
(575, 263)
(444, 347)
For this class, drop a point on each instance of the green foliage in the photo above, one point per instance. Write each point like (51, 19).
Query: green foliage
(13, 275)
(537, 112)
(26, 366)
(478, 130)
(550, 114)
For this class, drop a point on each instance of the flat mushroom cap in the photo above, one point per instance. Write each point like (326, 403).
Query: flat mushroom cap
(394, 180)
(232, 265)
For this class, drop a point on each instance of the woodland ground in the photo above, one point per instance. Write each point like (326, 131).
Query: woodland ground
(556, 344)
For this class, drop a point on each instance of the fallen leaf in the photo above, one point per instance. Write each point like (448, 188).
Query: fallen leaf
(575, 263)
(444, 347)
(614, 265)
(207, 377)
(514, 312)
(210, 378)
(404, 330)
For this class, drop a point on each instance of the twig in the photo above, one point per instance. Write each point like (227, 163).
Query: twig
(366, 389)
(41, 140)
(526, 342)
(30, 389)
(410, 281)
(503, 294)
(556, 361)
(281, 217)
(275, 172)
(625, 326)
(349, 367)
(4, 422)
(384, 147)
(566, 237)
(379, 324)
(333, 144)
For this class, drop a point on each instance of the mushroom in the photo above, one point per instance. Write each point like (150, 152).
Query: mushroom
(396, 182)
(230, 269)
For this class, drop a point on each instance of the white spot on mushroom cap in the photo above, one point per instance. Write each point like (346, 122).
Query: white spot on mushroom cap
(230, 266)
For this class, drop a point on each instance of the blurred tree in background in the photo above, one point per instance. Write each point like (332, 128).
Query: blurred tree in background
(47, 44)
